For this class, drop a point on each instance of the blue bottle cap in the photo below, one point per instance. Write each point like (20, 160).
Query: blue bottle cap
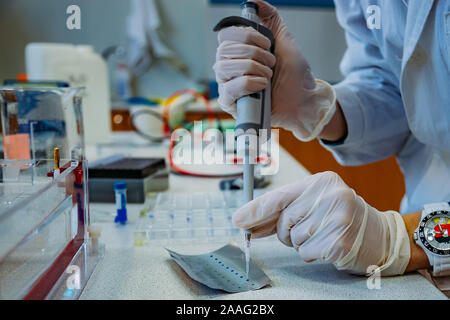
(120, 185)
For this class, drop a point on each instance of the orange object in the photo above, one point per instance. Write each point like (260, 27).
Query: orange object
(17, 146)
(22, 77)
(56, 158)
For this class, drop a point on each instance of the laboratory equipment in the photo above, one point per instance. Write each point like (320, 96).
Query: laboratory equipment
(45, 251)
(56, 161)
(35, 83)
(238, 183)
(191, 217)
(142, 175)
(81, 66)
(149, 119)
(37, 120)
(122, 82)
(120, 190)
(253, 111)
(222, 269)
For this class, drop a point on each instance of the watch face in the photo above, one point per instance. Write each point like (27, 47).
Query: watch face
(434, 232)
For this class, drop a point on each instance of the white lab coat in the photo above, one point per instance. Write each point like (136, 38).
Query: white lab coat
(396, 94)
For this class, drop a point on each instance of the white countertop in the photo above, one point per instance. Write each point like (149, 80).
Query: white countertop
(147, 272)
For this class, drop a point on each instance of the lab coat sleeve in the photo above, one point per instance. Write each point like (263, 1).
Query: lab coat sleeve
(369, 95)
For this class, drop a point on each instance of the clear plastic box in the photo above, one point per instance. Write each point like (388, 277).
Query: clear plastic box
(45, 248)
(190, 217)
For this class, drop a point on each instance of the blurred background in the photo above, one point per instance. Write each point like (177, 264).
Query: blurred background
(186, 27)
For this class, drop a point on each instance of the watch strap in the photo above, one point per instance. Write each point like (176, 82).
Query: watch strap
(432, 207)
(441, 266)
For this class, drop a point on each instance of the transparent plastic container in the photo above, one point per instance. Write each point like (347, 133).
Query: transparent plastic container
(36, 120)
(190, 217)
(45, 250)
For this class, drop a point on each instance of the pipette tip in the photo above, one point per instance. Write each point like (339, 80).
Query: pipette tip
(248, 236)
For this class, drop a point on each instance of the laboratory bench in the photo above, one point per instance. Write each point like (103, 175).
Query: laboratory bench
(127, 271)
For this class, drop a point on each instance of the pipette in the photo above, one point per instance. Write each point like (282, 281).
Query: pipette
(248, 185)
(253, 113)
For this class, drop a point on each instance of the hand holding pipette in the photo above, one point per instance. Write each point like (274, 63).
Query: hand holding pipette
(253, 111)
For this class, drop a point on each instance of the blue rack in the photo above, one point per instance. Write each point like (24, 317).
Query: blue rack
(290, 3)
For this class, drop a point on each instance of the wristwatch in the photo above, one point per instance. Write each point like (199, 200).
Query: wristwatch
(432, 235)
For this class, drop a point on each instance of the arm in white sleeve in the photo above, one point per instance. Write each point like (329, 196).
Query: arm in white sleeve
(369, 95)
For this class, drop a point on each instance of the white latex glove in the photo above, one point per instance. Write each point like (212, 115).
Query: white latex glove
(322, 218)
(244, 65)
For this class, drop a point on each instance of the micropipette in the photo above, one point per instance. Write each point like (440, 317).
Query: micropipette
(253, 113)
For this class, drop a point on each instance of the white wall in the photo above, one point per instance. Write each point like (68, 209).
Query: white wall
(186, 23)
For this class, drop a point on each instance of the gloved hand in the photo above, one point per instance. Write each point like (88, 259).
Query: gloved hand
(244, 65)
(322, 218)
